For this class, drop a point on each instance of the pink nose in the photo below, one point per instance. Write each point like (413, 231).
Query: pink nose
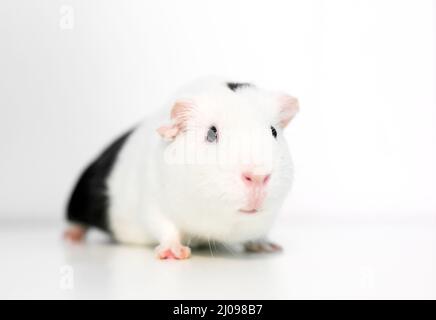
(252, 180)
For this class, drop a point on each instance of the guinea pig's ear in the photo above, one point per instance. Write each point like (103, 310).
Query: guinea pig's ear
(179, 116)
(289, 107)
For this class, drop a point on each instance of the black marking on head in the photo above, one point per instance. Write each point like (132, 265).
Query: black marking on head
(234, 86)
(89, 201)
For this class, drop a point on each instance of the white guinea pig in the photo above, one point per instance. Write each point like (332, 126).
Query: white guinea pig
(212, 166)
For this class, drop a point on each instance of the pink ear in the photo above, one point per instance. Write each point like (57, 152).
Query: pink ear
(288, 109)
(168, 132)
(180, 114)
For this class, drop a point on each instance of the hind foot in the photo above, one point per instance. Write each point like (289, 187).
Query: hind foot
(75, 233)
(262, 246)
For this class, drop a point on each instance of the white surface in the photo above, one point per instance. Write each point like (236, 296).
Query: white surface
(364, 71)
(320, 261)
(363, 144)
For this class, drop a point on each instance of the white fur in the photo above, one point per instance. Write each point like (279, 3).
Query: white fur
(156, 200)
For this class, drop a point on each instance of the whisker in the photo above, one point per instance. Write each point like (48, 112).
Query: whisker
(210, 248)
(228, 248)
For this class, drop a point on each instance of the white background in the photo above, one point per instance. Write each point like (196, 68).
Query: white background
(364, 143)
(361, 221)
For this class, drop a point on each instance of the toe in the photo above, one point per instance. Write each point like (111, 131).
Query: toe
(275, 247)
(259, 247)
(183, 253)
(174, 252)
(75, 234)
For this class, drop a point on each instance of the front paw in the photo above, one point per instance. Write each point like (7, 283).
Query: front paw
(175, 251)
(262, 247)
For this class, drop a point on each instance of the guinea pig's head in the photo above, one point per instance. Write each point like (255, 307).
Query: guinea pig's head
(226, 152)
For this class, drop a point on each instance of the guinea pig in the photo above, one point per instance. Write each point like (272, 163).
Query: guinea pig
(212, 165)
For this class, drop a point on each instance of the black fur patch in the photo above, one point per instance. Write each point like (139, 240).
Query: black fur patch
(89, 201)
(234, 86)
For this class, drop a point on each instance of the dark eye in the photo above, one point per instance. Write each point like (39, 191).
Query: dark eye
(212, 134)
(274, 132)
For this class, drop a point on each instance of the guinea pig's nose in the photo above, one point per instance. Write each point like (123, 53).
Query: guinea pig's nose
(251, 179)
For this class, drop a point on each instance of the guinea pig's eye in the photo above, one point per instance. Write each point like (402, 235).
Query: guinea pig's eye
(274, 132)
(212, 134)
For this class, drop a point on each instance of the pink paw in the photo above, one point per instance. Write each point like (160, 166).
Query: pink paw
(262, 247)
(178, 252)
(75, 234)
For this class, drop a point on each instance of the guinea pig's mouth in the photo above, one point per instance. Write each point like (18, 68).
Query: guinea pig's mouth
(249, 211)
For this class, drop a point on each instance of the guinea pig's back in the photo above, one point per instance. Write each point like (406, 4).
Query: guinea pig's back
(88, 204)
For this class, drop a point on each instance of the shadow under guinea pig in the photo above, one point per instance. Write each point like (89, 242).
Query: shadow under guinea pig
(221, 250)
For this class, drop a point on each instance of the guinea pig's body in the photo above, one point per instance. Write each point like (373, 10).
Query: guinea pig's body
(213, 166)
